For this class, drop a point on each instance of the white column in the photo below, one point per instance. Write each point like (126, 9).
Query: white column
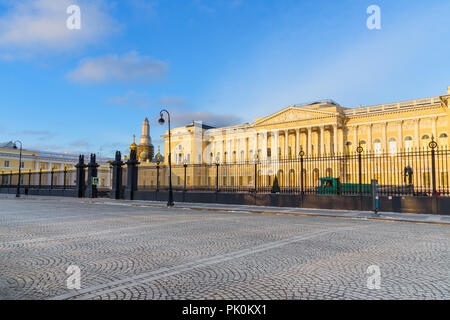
(355, 138)
(286, 143)
(322, 143)
(400, 135)
(369, 143)
(335, 133)
(276, 144)
(255, 144)
(265, 135)
(433, 128)
(417, 133)
(309, 138)
(297, 142)
(386, 148)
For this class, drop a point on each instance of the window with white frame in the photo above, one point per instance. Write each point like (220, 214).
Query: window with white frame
(408, 143)
(392, 146)
(377, 146)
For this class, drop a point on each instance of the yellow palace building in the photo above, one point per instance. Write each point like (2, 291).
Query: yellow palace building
(318, 128)
(322, 128)
(44, 161)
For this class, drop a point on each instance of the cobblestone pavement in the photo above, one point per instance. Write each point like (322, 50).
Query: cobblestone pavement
(129, 251)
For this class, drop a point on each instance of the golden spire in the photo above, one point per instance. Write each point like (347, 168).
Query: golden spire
(133, 146)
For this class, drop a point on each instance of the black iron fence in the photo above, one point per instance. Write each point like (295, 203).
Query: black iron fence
(45, 179)
(52, 179)
(413, 172)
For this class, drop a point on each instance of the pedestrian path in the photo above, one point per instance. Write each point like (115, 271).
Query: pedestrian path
(386, 216)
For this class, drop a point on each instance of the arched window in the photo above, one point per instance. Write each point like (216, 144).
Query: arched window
(425, 140)
(443, 140)
(280, 178)
(242, 155)
(329, 172)
(392, 146)
(292, 178)
(377, 146)
(408, 143)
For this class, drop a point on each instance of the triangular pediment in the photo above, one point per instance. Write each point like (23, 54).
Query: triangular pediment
(291, 114)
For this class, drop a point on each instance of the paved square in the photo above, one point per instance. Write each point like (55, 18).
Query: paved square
(127, 250)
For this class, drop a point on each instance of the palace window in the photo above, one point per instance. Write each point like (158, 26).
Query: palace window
(443, 140)
(408, 143)
(392, 146)
(377, 146)
(425, 140)
(269, 152)
(242, 155)
(6, 164)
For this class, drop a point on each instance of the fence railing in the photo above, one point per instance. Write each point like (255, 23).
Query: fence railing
(413, 172)
(51, 179)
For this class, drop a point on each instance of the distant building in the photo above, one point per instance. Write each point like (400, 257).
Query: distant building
(36, 160)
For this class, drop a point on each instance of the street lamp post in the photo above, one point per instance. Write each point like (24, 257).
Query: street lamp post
(20, 166)
(185, 167)
(161, 122)
(158, 161)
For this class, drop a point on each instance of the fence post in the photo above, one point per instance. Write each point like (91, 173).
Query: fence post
(116, 187)
(64, 182)
(185, 168)
(10, 179)
(256, 174)
(80, 177)
(360, 150)
(217, 176)
(92, 173)
(301, 154)
(29, 179)
(51, 178)
(157, 176)
(433, 146)
(132, 176)
(40, 178)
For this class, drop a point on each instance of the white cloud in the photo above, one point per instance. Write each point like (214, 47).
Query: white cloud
(130, 67)
(31, 27)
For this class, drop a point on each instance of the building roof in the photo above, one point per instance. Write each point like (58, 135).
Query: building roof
(204, 126)
(7, 145)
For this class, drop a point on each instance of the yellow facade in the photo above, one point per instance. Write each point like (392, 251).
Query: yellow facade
(33, 160)
(322, 128)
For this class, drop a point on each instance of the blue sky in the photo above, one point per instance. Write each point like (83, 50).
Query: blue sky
(222, 61)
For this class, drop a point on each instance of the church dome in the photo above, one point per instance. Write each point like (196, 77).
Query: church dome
(143, 155)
